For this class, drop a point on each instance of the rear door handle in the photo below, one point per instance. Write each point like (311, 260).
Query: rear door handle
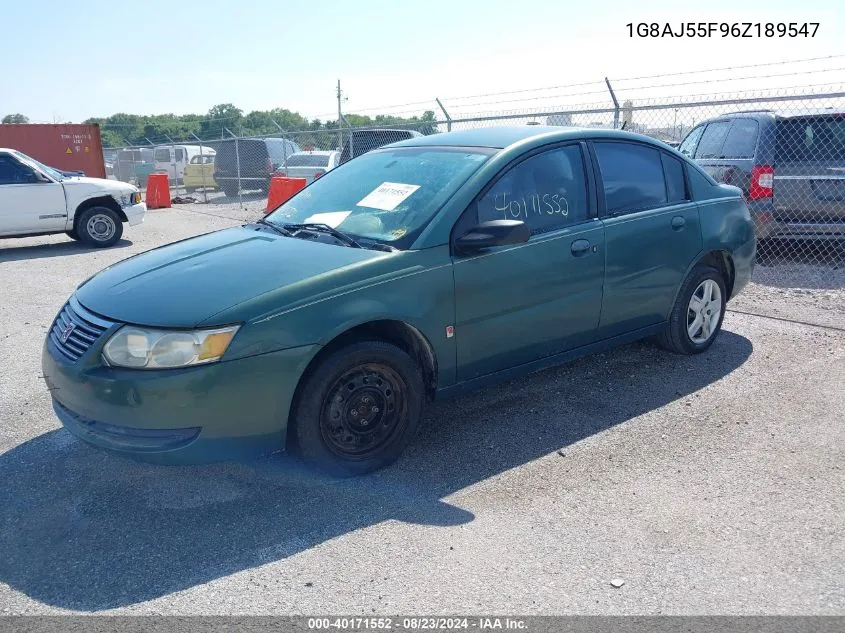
(678, 222)
(580, 247)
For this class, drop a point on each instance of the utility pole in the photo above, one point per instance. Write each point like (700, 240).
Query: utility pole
(339, 116)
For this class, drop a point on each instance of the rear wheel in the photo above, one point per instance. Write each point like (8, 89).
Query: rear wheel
(231, 191)
(99, 226)
(359, 409)
(698, 312)
(72, 234)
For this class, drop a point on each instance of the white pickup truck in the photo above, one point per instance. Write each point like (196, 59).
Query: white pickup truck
(36, 199)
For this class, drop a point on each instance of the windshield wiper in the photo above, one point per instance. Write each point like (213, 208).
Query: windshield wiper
(378, 246)
(275, 227)
(319, 227)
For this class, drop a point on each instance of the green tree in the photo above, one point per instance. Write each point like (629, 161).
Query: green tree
(223, 115)
(15, 118)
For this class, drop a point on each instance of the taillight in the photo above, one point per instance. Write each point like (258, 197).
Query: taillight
(319, 173)
(269, 167)
(762, 181)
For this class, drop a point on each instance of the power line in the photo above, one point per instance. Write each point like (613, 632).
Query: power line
(669, 85)
(686, 72)
(713, 70)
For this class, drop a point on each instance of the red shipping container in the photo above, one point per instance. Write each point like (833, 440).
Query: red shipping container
(67, 146)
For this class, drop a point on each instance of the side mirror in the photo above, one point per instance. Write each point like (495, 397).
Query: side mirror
(494, 233)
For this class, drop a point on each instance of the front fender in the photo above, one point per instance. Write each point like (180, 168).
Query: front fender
(423, 299)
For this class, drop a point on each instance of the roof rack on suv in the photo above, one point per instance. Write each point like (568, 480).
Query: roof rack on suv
(750, 111)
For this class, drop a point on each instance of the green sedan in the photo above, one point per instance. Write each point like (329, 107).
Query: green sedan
(419, 270)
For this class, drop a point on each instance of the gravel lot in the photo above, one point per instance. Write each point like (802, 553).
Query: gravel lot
(709, 485)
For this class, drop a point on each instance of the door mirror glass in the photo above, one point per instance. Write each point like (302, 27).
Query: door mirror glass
(493, 233)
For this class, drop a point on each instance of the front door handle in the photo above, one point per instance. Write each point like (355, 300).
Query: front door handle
(580, 247)
(678, 222)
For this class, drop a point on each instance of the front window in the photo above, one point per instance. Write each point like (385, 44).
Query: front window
(387, 195)
(547, 192)
(55, 175)
(687, 147)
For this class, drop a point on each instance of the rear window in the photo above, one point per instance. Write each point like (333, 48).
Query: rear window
(632, 176)
(202, 160)
(308, 160)
(135, 156)
(252, 154)
(368, 140)
(811, 139)
(742, 139)
(710, 145)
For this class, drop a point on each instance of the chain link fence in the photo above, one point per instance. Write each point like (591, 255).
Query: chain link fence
(784, 149)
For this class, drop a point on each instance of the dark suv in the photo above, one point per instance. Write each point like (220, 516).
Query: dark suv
(258, 159)
(790, 166)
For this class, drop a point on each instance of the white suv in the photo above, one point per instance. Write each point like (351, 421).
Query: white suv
(36, 199)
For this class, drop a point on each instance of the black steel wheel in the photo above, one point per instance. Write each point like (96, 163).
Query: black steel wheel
(358, 409)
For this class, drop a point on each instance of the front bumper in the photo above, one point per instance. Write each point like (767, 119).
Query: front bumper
(225, 410)
(135, 213)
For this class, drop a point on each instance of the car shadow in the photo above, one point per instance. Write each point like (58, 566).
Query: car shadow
(82, 529)
(59, 249)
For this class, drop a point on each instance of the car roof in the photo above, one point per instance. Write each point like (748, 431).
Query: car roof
(318, 152)
(773, 113)
(502, 137)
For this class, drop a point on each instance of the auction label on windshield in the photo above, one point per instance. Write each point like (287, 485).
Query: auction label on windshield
(387, 196)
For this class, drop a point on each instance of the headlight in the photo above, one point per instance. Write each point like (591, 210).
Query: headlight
(143, 348)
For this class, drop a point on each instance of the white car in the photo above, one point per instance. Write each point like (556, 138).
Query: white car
(36, 199)
(309, 165)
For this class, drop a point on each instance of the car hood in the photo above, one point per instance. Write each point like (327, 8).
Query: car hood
(83, 183)
(186, 283)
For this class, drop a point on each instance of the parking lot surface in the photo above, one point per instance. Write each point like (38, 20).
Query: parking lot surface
(709, 485)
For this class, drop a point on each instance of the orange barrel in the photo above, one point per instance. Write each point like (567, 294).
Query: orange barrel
(282, 189)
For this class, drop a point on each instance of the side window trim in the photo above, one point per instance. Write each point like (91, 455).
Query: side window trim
(589, 175)
(602, 202)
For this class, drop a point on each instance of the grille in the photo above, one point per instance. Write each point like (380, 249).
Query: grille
(87, 328)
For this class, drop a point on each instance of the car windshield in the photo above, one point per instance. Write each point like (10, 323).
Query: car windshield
(55, 175)
(385, 195)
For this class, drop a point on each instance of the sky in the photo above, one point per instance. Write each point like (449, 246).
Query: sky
(89, 58)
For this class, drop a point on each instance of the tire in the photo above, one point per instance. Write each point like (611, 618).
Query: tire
(230, 191)
(99, 226)
(190, 189)
(368, 378)
(72, 234)
(686, 334)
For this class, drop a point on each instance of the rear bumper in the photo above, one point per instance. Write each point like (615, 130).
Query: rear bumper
(767, 225)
